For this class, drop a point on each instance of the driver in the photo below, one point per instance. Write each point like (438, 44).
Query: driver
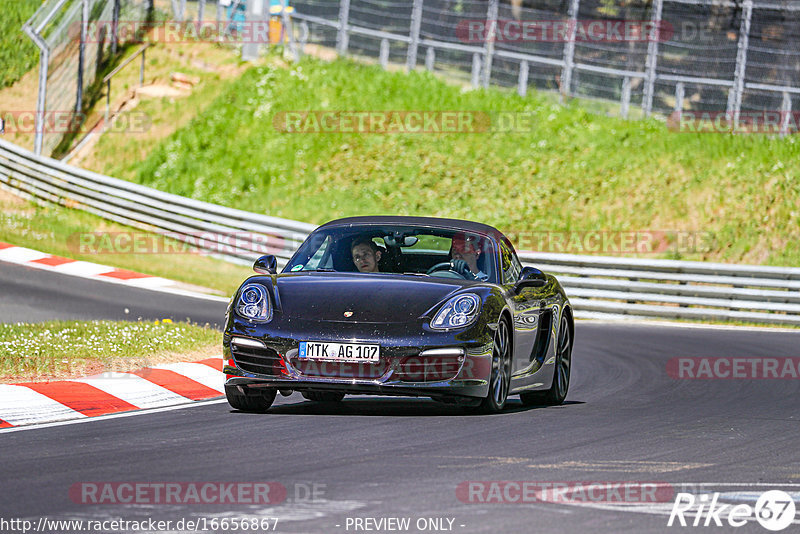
(366, 254)
(466, 249)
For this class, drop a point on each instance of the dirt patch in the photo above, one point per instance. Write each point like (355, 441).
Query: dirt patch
(162, 91)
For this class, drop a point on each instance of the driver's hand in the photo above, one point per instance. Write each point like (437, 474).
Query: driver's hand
(461, 267)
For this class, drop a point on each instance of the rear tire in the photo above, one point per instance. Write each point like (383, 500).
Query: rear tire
(323, 396)
(558, 389)
(500, 379)
(259, 402)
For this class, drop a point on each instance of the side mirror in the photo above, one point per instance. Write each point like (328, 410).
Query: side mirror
(266, 265)
(530, 277)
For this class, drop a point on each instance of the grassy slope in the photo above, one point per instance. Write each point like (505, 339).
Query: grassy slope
(573, 171)
(61, 349)
(18, 54)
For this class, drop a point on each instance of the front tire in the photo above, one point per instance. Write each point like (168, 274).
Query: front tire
(558, 389)
(259, 402)
(500, 379)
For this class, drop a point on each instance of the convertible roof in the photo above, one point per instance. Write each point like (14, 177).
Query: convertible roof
(455, 224)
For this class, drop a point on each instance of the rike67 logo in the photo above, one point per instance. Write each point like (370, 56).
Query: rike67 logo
(774, 510)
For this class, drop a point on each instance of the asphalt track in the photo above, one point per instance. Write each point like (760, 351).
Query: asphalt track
(625, 419)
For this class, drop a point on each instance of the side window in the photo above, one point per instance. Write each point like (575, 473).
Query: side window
(321, 258)
(510, 264)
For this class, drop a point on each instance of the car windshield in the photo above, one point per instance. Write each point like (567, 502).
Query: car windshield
(411, 250)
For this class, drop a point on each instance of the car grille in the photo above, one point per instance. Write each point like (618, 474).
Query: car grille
(427, 369)
(258, 360)
(315, 368)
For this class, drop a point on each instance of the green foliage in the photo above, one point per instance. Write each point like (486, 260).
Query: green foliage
(571, 171)
(53, 348)
(18, 54)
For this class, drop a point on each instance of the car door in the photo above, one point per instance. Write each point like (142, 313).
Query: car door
(530, 330)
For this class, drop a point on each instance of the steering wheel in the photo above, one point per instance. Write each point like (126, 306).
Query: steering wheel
(458, 267)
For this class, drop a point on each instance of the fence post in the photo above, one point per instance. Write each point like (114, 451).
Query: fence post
(786, 110)
(679, 97)
(430, 58)
(82, 54)
(652, 57)
(522, 83)
(219, 17)
(569, 48)
(476, 70)
(288, 27)
(341, 37)
(488, 46)
(626, 97)
(201, 10)
(41, 97)
(253, 16)
(413, 45)
(735, 97)
(384, 54)
(182, 16)
(114, 28)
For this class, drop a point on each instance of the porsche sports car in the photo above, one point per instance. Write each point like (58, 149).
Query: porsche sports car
(408, 306)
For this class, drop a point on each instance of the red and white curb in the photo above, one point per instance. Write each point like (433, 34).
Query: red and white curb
(85, 269)
(153, 387)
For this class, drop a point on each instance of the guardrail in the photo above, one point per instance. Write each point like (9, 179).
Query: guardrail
(597, 285)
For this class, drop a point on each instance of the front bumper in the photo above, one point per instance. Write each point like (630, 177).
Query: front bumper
(442, 365)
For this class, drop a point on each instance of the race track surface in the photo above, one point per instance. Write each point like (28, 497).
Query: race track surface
(625, 419)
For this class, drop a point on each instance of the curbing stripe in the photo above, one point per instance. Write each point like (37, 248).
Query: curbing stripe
(109, 393)
(134, 390)
(177, 383)
(124, 274)
(214, 363)
(210, 378)
(53, 261)
(81, 397)
(20, 405)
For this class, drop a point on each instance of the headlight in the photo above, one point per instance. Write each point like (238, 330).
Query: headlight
(254, 304)
(461, 310)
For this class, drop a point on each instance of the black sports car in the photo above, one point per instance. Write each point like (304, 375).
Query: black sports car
(411, 306)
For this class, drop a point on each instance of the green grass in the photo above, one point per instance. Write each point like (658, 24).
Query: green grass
(18, 54)
(574, 171)
(76, 348)
(56, 230)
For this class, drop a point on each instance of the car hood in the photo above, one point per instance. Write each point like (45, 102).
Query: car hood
(378, 298)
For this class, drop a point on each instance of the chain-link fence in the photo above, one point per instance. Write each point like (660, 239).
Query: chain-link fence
(715, 56)
(657, 55)
(77, 40)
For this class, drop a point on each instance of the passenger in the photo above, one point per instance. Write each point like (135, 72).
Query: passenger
(366, 254)
(466, 249)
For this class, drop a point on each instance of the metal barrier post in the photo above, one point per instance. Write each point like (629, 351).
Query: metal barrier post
(342, 37)
(626, 97)
(522, 83)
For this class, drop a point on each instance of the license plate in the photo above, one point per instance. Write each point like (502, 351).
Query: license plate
(339, 352)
